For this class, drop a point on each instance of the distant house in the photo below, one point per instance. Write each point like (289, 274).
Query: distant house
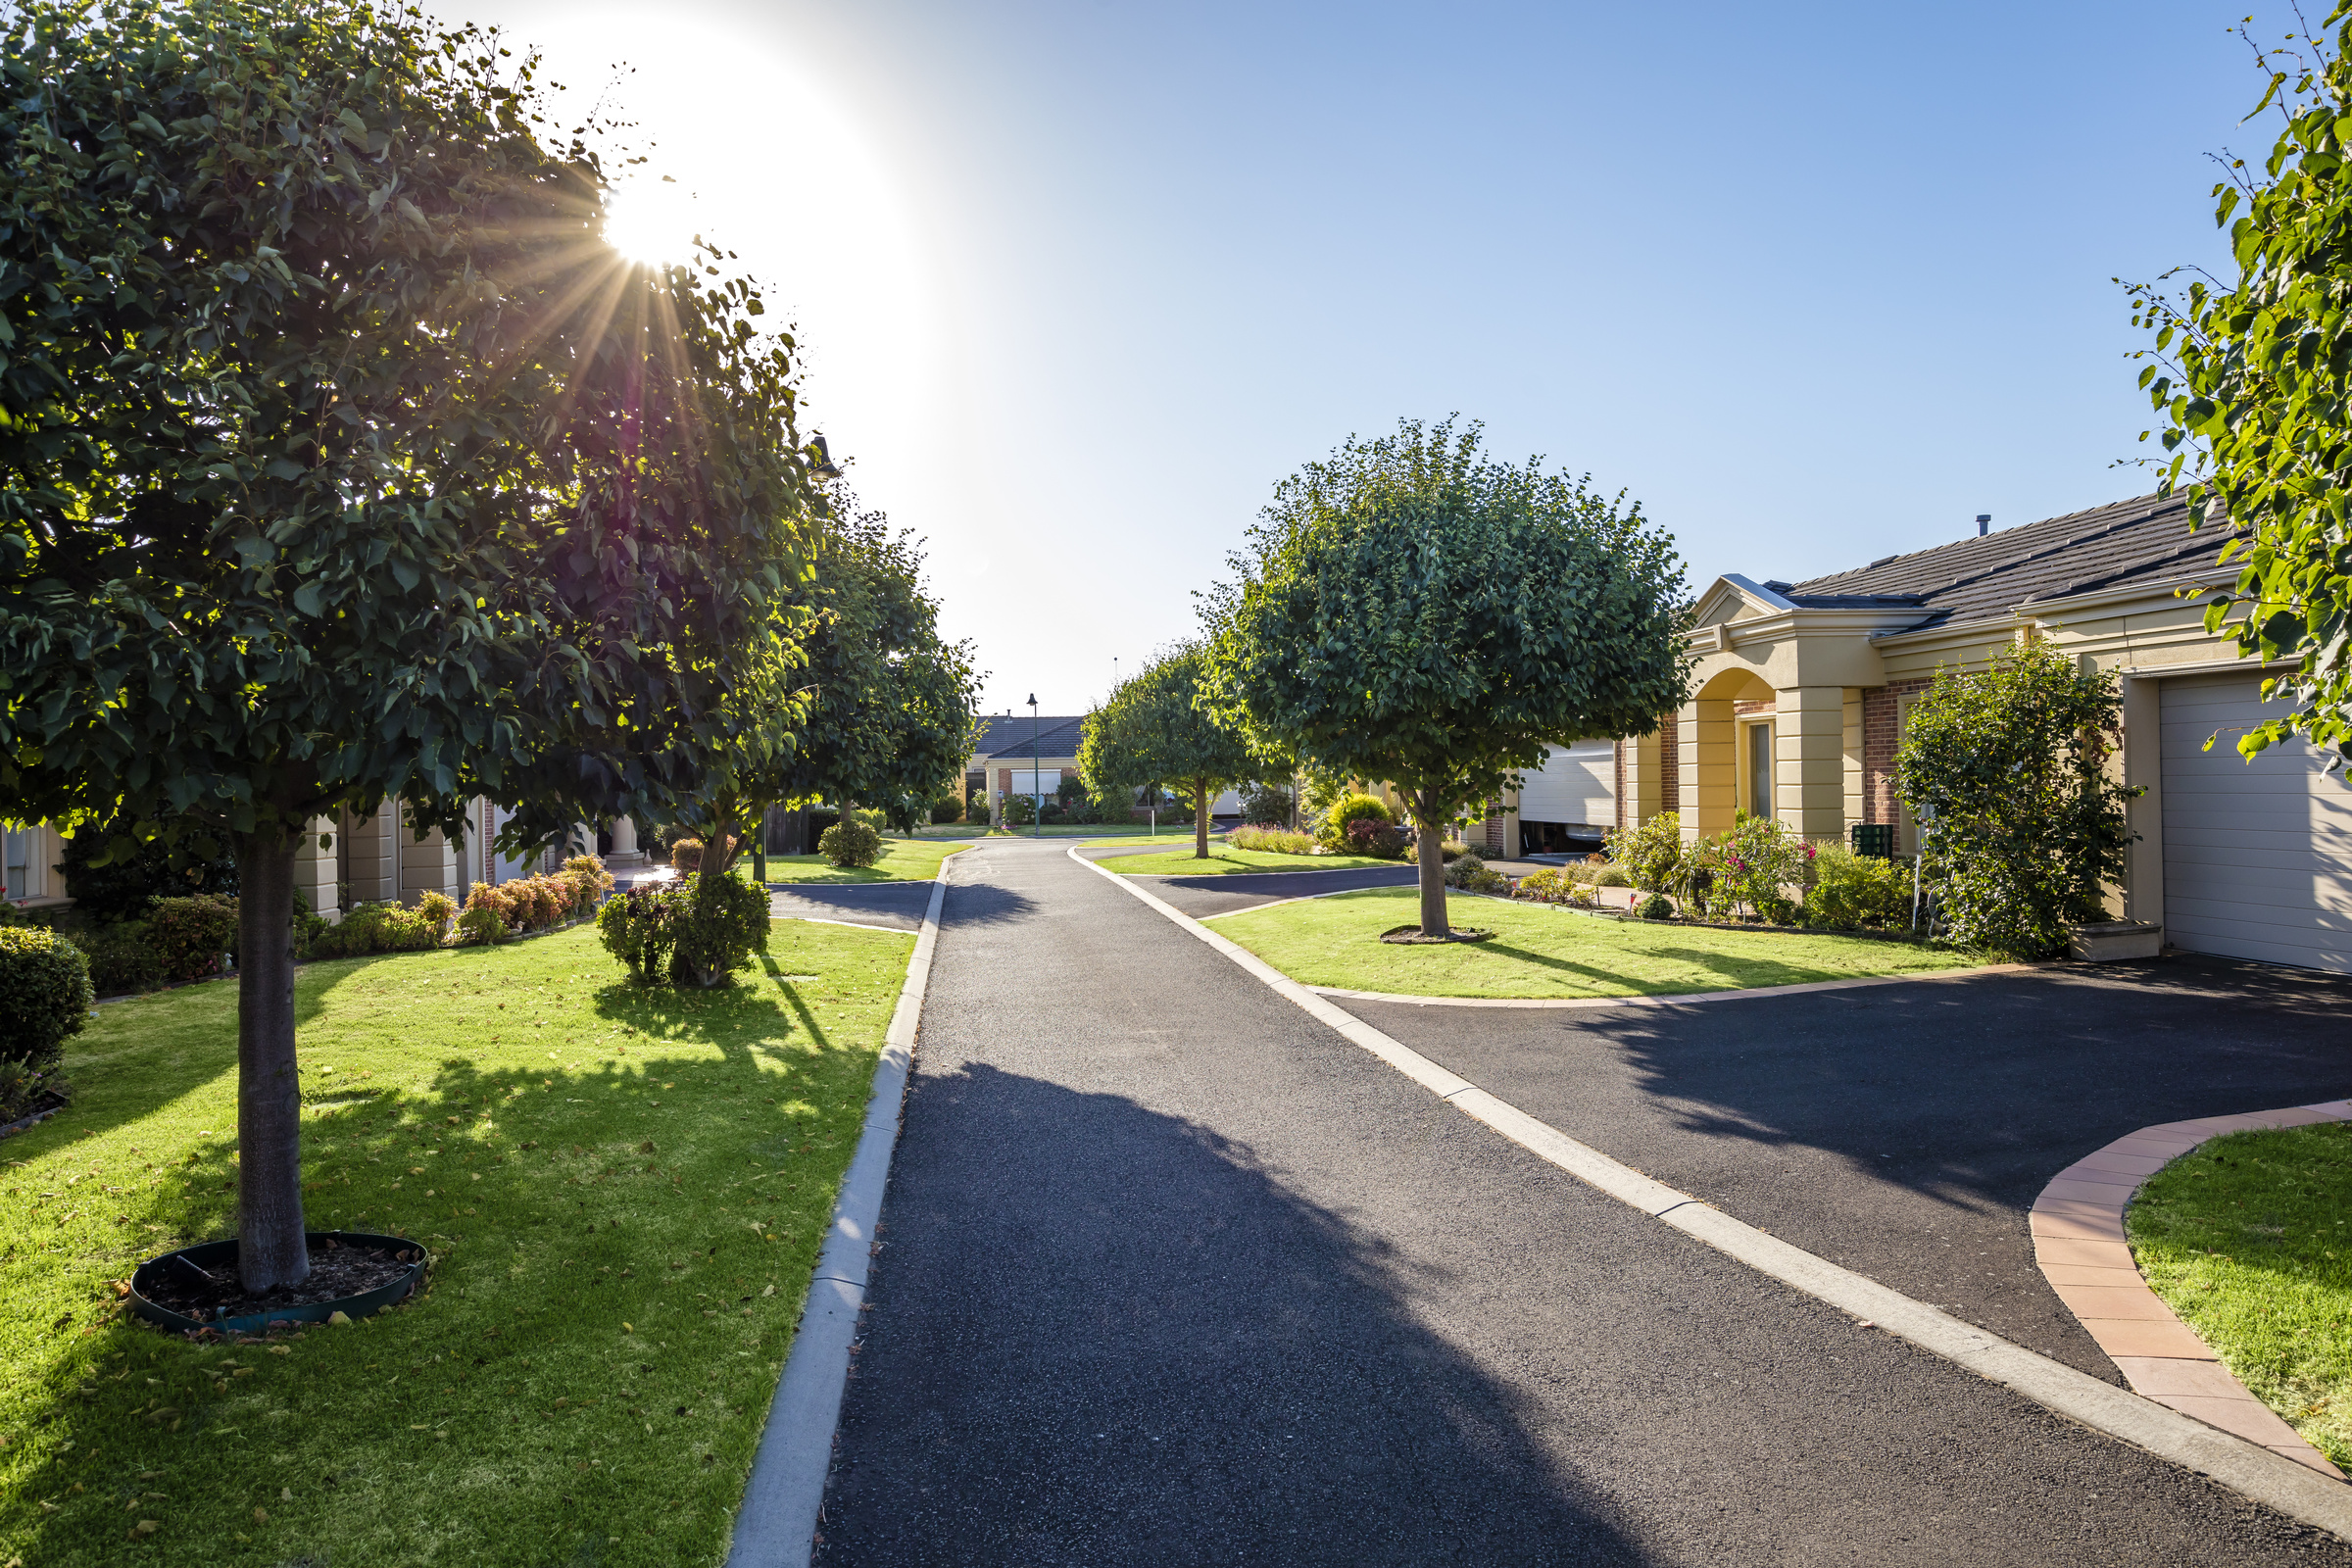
(1802, 691)
(1017, 755)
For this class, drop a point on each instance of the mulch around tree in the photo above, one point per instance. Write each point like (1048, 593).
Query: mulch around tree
(336, 1273)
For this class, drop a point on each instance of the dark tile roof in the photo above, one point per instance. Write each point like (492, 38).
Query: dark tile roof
(1009, 736)
(2148, 538)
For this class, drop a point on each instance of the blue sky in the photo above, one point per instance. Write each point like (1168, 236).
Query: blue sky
(1080, 282)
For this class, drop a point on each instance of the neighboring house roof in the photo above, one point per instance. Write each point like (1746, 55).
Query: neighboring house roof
(1012, 736)
(2146, 539)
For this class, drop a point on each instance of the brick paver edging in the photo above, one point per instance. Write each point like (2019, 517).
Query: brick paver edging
(2079, 1240)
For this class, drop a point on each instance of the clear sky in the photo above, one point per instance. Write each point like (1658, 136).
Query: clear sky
(1078, 283)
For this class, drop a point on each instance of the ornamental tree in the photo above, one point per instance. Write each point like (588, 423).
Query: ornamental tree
(1156, 730)
(2027, 827)
(2252, 381)
(1410, 612)
(340, 459)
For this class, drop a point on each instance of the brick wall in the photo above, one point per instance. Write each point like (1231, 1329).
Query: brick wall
(1747, 706)
(1882, 730)
(1670, 764)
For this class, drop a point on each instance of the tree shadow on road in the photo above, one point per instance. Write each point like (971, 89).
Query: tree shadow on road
(1100, 1334)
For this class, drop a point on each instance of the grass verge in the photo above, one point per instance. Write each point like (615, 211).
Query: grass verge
(2249, 1240)
(1541, 950)
(1225, 861)
(623, 1190)
(902, 860)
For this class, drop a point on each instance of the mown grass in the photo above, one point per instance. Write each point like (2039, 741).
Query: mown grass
(2249, 1240)
(623, 1191)
(1541, 950)
(902, 860)
(1226, 861)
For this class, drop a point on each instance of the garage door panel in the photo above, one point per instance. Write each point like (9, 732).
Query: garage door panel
(1577, 783)
(2257, 856)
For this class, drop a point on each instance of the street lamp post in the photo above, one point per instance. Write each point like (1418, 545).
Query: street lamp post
(1037, 785)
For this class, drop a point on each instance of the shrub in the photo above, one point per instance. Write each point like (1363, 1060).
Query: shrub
(123, 889)
(1339, 820)
(377, 928)
(1550, 885)
(1020, 810)
(190, 935)
(637, 928)
(686, 856)
(1271, 840)
(721, 922)
(1850, 890)
(120, 958)
(437, 909)
(850, 842)
(44, 994)
(1470, 875)
(947, 809)
(589, 880)
(1451, 850)
(22, 1087)
(1651, 855)
(1612, 876)
(1265, 803)
(1760, 858)
(1655, 908)
(484, 917)
(1378, 839)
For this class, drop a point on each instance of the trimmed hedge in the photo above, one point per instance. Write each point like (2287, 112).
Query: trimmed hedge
(44, 994)
(850, 842)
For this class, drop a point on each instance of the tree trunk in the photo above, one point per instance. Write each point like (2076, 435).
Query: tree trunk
(1430, 837)
(270, 1249)
(1199, 819)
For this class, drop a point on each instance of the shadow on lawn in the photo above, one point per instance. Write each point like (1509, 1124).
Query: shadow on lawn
(1180, 1358)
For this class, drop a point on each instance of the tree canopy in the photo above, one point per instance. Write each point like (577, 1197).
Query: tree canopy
(1408, 611)
(340, 459)
(2252, 382)
(1156, 730)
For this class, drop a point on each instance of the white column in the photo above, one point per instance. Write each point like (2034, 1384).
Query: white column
(624, 839)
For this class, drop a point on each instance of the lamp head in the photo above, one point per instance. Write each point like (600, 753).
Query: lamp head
(1033, 698)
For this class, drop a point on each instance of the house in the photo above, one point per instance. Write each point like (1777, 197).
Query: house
(366, 859)
(1017, 755)
(1802, 689)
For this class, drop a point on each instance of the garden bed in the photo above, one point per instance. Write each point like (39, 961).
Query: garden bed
(1544, 950)
(623, 1188)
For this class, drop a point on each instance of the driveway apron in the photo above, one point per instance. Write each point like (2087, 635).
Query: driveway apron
(1170, 1273)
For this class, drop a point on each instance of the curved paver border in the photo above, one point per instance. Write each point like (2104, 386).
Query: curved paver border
(2084, 1251)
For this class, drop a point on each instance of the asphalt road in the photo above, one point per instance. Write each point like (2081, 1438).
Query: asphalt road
(1904, 1131)
(1169, 1273)
(1203, 896)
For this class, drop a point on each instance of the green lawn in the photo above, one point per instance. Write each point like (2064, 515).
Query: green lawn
(1544, 951)
(623, 1190)
(2249, 1240)
(902, 860)
(1225, 861)
(1124, 838)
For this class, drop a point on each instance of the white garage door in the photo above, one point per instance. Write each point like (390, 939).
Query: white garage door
(2257, 856)
(1576, 784)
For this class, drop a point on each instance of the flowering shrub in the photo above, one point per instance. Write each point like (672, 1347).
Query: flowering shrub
(1374, 837)
(1759, 857)
(1652, 854)
(190, 935)
(1272, 840)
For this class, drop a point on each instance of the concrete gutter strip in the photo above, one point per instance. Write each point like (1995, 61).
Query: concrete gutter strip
(2248, 1468)
(776, 1526)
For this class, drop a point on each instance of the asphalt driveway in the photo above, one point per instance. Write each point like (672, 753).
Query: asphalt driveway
(897, 904)
(1169, 1273)
(1903, 1131)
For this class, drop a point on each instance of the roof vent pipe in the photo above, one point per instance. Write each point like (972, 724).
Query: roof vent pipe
(1984, 522)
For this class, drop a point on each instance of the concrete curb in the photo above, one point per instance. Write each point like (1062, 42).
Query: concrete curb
(776, 1525)
(2081, 1245)
(2245, 1467)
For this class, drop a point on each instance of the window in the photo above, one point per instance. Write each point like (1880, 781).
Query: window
(19, 857)
(1759, 768)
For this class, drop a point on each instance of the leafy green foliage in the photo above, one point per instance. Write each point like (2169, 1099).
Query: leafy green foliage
(2253, 385)
(1655, 908)
(1410, 612)
(1349, 810)
(1651, 852)
(121, 960)
(111, 875)
(850, 843)
(2027, 827)
(375, 928)
(635, 927)
(44, 994)
(190, 935)
(1271, 840)
(1760, 859)
(721, 922)
(1850, 890)
(1156, 730)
